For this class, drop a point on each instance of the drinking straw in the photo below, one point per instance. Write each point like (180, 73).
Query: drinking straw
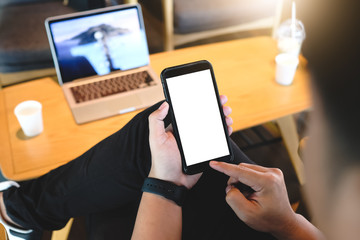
(293, 20)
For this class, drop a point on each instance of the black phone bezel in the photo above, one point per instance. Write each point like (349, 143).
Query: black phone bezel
(185, 69)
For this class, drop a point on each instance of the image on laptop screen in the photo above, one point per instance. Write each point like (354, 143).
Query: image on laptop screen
(99, 44)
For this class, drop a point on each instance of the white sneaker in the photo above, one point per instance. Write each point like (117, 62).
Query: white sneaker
(13, 232)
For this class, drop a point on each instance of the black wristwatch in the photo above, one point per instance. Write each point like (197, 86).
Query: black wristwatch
(165, 189)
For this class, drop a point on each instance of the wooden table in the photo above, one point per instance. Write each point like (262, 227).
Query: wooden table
(244, 71)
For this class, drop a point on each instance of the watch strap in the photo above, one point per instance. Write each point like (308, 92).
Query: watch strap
(165, 189)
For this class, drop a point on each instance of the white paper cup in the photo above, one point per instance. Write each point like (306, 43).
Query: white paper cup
(286, 65)
(29, 115)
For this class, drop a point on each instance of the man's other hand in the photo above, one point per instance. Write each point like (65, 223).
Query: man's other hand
(268, 208)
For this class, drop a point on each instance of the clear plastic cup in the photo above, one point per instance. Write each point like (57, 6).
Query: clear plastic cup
(286, 65)
(290, 37)
(29, 115)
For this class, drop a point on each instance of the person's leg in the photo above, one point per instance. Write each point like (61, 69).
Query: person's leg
(206, 215)
(116, 223)
(107, 176)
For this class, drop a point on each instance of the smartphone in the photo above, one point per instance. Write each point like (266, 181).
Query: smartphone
(197, 117)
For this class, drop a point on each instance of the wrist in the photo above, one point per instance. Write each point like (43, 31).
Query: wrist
(165, 189)
(299, 228)
(162, 200)
(173, 178)
(154, 174)
(288, 228)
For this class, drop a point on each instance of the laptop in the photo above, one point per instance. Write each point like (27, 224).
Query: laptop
(102, 62)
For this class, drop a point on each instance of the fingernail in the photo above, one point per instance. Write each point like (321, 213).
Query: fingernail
(162, 106)
(228, 188)
(214, 163)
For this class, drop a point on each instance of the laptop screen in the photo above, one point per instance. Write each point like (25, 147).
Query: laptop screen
(98, 43)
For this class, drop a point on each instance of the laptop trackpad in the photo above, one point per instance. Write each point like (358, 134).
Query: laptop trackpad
(124, 104)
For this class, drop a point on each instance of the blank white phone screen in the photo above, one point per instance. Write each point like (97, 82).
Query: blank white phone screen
(198, 117)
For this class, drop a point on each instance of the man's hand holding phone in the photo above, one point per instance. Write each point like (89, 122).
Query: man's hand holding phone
(165, 155)
(199, 143)
(166, 161)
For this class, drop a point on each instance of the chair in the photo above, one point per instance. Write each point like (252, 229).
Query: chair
(24, 47)
(188, 21)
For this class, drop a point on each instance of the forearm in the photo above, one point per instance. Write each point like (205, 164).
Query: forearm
(157, 218)
(300, 229)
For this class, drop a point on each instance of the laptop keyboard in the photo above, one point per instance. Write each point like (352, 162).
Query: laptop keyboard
(91, 91)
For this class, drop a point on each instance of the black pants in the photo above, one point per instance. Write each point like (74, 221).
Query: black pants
(104, 184)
